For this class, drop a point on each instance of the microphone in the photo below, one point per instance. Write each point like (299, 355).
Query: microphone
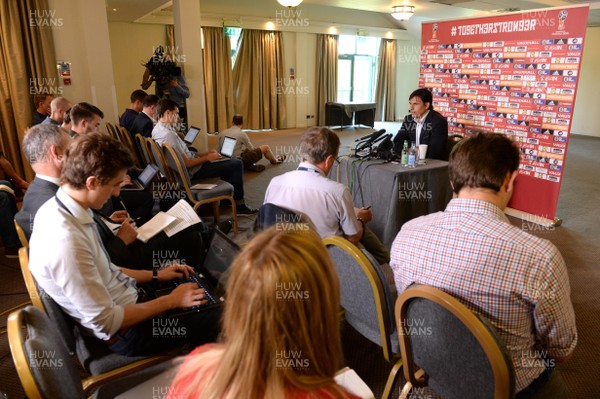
(371, 136)
(369, 143)
(381, 138)
(386, 144)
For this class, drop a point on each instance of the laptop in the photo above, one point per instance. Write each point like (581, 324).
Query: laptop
(227, 149)
(213, 278)
(143, 180)
(191, 135)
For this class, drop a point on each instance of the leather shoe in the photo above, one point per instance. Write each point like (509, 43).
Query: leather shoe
(225, 226)
(245, 210)
(256, 168)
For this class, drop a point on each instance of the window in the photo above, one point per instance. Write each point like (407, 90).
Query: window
(234, 37)
(357, 68)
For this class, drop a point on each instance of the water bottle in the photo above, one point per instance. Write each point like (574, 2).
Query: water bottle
(404, 157)
(412, 156)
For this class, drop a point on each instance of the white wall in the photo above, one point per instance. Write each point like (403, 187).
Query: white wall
(83, 40)
(300, 53)
(407, 74)
(587, 104)
(132, 45)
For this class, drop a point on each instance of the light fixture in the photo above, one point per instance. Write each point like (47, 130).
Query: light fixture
(403, 13)
(289, 3)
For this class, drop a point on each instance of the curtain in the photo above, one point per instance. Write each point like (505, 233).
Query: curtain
(258, 80)
(385, 92)
(217, 79)
(27, 66)
(327, 73)
(171, 41)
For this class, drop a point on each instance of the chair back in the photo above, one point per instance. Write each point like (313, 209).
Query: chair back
(365, 297)
(460, 355)
(271, 214)
(453, 140)
(177, 169)
(112, 131)
(21, 233)
(159, 160)
(30, 284)
(126, 139)
(43, 363)
(142, 150)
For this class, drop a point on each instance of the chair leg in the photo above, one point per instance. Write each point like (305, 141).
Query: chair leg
(215, 206)
(392, 377)
(405, 390)
(234, 215)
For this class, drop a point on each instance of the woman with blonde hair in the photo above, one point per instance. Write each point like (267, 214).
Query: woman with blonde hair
(281, 326)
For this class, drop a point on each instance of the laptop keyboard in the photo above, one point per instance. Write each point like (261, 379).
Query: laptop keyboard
(199, 279)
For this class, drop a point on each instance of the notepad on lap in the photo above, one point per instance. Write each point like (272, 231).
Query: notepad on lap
(180, 216)
(154, 226)
(185, 216)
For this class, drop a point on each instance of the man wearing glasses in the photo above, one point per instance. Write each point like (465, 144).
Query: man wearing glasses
(326, 202)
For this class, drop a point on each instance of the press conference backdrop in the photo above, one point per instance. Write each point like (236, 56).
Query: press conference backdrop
(515, 74)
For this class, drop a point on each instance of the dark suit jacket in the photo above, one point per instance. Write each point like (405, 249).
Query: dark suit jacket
(141, 124)
(434, 133)
(37, 194)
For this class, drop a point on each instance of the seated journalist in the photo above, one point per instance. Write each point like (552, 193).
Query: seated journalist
(70, 264)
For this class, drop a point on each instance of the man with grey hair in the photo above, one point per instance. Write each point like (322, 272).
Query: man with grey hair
(58, 108)
(44, 146)
(327, 203)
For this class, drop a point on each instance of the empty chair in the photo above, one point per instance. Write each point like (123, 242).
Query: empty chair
(367, 300)
(44, 364)
(157, 157)
(453, 139)
(222, 191)
(112, 131)
(142, 150)
(447, 347)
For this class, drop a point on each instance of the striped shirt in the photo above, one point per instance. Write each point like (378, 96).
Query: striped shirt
(517, 281)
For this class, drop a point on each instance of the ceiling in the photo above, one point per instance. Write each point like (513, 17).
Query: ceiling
(375, 12)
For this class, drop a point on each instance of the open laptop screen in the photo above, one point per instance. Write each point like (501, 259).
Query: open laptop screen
(228, 146)
(148, 174)
(221, 253)
(191, 135)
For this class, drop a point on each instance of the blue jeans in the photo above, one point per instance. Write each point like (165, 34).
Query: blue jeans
(8, 209)
(232, 171)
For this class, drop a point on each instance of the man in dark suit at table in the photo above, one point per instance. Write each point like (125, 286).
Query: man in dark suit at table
(423, 126)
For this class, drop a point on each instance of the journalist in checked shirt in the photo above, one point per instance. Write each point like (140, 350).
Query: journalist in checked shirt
(517, 281)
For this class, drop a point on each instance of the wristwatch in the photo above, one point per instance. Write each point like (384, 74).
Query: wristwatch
(154, 275)
(361, 220)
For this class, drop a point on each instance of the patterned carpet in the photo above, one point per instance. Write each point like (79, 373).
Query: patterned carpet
(577, 239)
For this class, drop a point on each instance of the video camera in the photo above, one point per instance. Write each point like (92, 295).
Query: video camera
(161, 68)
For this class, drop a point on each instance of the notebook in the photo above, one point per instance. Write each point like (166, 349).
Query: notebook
(143, 180)
(191, 135)
(227, 148)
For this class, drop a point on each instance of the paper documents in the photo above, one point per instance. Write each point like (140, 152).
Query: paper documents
(179, 217)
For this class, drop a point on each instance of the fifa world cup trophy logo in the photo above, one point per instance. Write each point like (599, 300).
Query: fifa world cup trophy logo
(434, 31)
(562, 17)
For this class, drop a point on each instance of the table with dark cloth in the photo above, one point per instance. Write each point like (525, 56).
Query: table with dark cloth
(396, 194)
(341, 114)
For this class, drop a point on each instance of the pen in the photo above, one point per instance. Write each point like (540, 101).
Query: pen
(123, 206)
